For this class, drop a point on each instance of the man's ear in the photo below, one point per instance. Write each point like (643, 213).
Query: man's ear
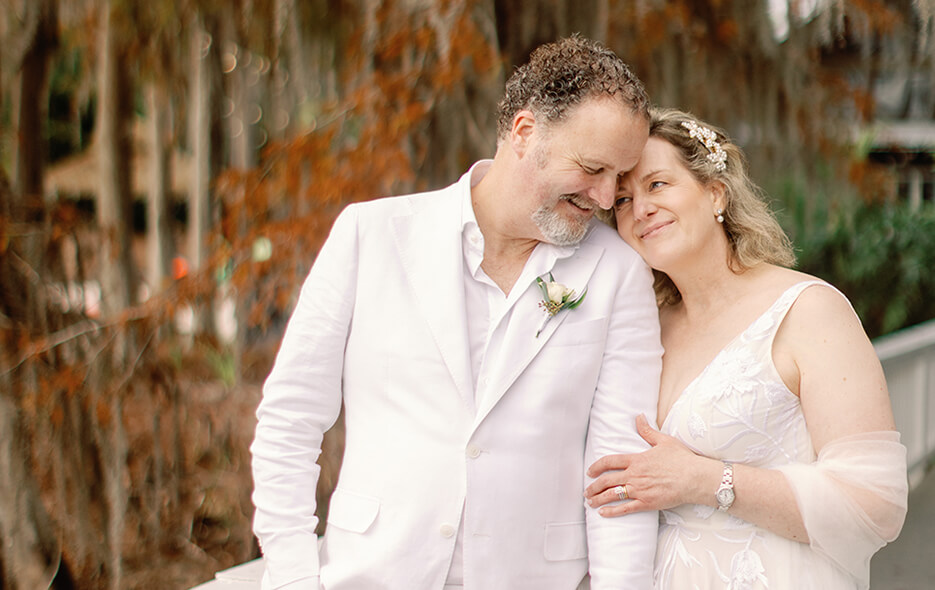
(524, 124)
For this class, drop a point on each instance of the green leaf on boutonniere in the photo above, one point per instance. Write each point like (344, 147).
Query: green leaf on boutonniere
(556, 297)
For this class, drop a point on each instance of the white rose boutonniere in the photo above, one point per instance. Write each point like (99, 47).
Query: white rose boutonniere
(557, 297)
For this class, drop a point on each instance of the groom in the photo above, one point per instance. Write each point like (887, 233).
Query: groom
(470, 410)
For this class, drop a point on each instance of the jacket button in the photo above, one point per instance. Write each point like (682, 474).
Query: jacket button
(473, 451)
(447, 531)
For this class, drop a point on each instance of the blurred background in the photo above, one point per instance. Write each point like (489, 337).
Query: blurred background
(169, 169)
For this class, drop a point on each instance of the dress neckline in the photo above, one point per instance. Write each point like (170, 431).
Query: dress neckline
(801, 285)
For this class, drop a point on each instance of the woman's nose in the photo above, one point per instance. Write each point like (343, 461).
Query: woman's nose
(643, 207)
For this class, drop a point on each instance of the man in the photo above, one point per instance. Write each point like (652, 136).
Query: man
(466, 404)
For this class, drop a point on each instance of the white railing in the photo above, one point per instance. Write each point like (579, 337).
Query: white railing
(908, 359)
(245, 576)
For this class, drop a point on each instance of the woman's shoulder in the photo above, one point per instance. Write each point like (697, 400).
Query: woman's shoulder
(780, 278)
(815, 304)
(819, 308)
(818, 296)
(778, 281)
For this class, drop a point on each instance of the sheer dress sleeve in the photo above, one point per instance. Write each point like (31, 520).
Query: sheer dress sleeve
(853, 498)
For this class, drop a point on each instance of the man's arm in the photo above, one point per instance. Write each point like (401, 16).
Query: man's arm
(301, 400)
(621, 550)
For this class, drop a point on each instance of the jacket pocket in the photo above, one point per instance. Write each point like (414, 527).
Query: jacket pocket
(566, 540)
(351, 511)
(574, 333)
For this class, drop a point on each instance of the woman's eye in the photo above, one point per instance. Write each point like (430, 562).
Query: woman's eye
(655, 184)
(621, 201)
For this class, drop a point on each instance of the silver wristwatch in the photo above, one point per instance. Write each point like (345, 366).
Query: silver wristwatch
(725, 493)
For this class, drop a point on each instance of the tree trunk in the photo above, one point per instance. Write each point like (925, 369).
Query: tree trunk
(200, 140)
(114, 199)
(205, 138)
(242, 90)
(115, 221)
(463, 121)
(33, 105)
(112, 441)
(159, 247)
(29, 555)
(523, 25)
(29, 550)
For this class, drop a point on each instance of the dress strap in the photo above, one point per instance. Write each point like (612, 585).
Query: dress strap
(792, 294)
(778, 311)
(783, 304)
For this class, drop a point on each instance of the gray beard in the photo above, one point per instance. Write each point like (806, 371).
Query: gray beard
(556, 230)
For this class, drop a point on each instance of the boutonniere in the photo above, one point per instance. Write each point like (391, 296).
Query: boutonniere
(557, 297)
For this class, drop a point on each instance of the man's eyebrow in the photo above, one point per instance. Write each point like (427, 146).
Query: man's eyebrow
(592, 162)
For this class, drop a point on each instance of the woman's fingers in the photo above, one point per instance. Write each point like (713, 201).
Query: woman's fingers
(648, 480)
(649, 434)
(623, 508)
(606, 481)
(599, 494)
(608, 463)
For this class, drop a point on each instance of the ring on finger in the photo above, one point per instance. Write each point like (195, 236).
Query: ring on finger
(621, 492)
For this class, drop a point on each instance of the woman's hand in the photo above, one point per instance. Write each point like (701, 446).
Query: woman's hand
(667, 475)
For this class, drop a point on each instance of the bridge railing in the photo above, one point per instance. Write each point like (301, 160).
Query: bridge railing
(908, 359)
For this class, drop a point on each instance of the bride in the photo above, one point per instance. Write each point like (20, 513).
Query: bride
(776, 463)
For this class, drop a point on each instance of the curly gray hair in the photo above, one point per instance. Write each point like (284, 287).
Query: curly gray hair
(561, 75)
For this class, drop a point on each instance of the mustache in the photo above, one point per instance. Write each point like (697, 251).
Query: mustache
(579, 200)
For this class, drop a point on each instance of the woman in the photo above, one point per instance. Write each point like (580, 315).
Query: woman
(777, 464)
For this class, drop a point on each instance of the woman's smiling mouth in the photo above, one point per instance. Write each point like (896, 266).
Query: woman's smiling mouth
(653, 230)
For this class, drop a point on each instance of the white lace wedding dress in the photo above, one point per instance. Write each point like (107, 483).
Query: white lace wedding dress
(739, 410)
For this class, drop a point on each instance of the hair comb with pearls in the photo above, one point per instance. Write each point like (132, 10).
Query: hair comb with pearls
(716, 155)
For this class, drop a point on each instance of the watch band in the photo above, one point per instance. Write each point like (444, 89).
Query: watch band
(725, 493)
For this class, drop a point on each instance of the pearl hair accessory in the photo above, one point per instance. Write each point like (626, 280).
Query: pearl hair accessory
(716, 155)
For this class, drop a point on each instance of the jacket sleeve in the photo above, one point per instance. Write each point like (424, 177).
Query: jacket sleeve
(621, 550)
(853, 498)
(301, 400)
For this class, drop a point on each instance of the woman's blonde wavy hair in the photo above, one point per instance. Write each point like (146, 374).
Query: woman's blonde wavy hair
(752, 231)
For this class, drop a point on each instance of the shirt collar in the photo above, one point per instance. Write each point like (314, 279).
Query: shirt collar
(472, 240)
(543, 257)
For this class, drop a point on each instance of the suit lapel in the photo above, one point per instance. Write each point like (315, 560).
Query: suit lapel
(429, 244)
(520, 344)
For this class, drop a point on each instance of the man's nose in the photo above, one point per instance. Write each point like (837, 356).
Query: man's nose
(605, 192)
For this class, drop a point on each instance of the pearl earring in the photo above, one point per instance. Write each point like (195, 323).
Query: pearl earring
(719, 216)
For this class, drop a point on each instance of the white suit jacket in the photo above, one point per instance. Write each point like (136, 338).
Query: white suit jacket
(380, 324)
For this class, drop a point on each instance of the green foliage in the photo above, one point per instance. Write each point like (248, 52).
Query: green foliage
(880, 255)
(224, 366)
(878, 252)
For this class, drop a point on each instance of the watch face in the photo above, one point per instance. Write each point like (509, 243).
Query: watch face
(725, 496)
